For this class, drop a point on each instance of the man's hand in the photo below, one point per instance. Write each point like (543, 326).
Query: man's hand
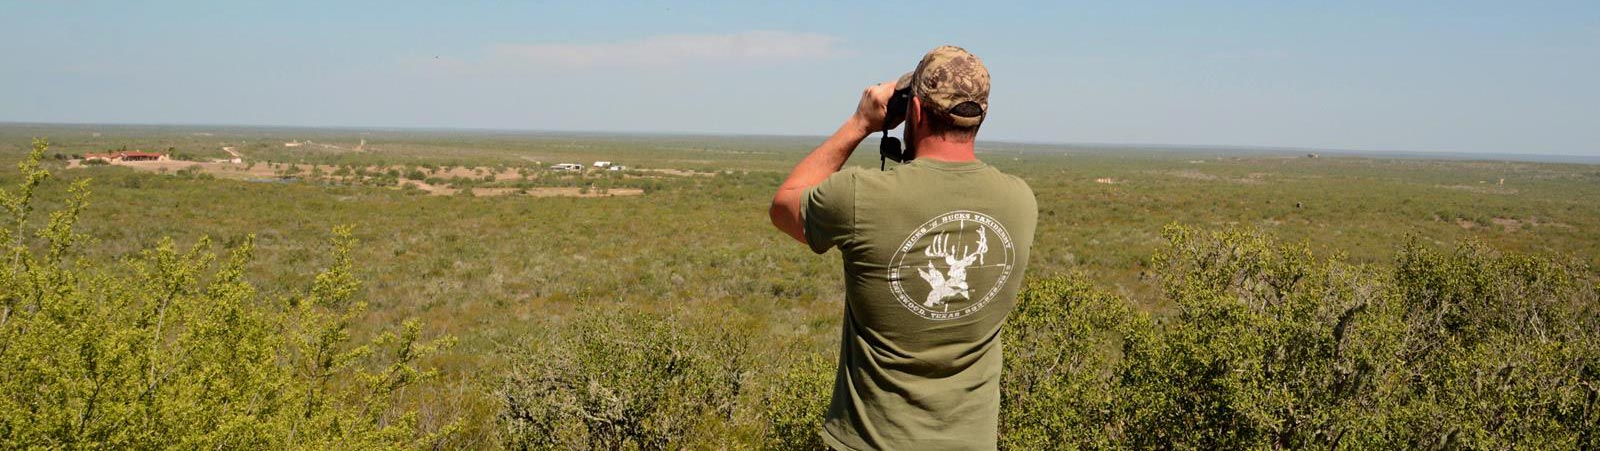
(827, 158)
(873, 107)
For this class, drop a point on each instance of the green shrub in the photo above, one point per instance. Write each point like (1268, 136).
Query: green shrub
(796, 402)
(193, 172)
(1061, 345)
(1500, 351)
(171, 349)
(617, 379)
(1271, 347)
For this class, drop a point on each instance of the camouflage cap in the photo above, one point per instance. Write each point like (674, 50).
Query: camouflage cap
(950, 76)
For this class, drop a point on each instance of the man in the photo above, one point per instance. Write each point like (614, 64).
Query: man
(934, 252)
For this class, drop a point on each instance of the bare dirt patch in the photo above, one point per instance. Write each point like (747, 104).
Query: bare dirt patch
(579, 192)
(260, 171)
(1505, 224)
(681, 172)
(477, 173)
(1481, 189)
(1508, 224)
(533, 192)
(218, 169)
(1192, 174)
(1253, 178)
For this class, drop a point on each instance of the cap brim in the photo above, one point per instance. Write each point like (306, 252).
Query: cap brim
(904, 83)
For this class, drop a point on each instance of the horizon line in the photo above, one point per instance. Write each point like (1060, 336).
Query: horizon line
(1538, 157)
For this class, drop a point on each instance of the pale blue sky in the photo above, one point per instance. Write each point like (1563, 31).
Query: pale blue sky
(1504, 77)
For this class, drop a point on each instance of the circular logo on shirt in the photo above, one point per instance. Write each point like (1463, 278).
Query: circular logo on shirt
(952, 265)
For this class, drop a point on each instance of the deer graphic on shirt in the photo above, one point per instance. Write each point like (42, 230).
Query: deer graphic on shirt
(952, 282)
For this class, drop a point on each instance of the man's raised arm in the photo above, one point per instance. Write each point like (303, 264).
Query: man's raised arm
(827, 158)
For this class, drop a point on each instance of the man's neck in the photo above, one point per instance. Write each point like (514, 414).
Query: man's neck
(942, 150)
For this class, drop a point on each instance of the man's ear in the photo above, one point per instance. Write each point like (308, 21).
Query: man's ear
(914, 116)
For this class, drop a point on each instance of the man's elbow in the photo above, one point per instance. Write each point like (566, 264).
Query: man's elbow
(776, 211)
(785, 216)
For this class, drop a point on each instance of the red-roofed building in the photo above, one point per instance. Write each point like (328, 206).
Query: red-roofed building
(125, 156)
(143, 156)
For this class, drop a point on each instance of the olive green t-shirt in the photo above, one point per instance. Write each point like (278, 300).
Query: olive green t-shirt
(933, 255)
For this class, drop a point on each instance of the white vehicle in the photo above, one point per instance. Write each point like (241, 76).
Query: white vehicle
(617, 168)
(567, 167)
(602, 164)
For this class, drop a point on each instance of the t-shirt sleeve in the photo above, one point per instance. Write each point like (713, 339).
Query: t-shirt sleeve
(829, 211)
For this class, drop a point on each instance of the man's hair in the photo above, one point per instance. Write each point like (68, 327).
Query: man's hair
(941, 125)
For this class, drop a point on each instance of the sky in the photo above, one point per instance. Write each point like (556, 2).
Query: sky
(1458, 76)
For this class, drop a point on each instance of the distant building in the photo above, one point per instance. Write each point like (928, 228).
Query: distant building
(125, 156)
(143, 156)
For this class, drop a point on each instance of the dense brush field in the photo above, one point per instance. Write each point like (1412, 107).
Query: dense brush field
(1192, 299)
